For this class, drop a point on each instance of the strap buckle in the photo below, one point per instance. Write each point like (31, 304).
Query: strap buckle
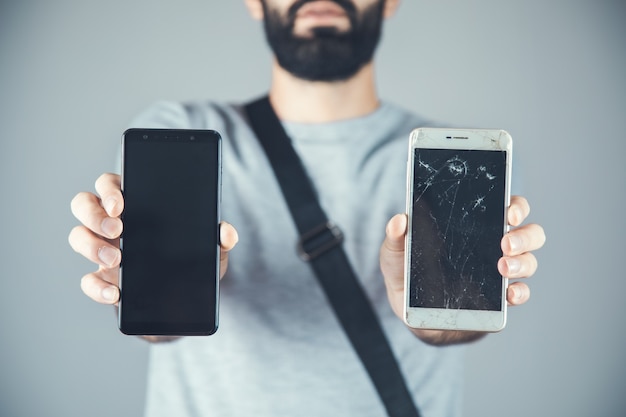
(317, 241)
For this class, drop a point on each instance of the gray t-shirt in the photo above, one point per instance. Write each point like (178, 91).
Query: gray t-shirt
(279, 350)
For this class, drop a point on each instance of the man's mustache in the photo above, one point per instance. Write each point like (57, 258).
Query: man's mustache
(346, 5)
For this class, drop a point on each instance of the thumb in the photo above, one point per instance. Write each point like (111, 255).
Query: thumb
(392, 253)
(228, 240)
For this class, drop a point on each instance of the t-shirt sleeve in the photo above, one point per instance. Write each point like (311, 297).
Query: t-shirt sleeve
(160, 115)
(163, 115)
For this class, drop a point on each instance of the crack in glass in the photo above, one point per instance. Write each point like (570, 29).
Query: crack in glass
(457, 224)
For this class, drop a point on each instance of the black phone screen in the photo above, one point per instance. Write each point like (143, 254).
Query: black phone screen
(170, 244)
(457, 224)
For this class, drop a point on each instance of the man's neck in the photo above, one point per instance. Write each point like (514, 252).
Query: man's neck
(302, 101)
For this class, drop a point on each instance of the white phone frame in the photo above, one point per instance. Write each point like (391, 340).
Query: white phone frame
(448, 138)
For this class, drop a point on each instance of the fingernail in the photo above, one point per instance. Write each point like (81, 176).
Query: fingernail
(109, 227)
(109, 204)
(517, 215)
(109, 293)
(396, 227)
(107, 255)
(403, 222)
(513, 265)
(515, 243)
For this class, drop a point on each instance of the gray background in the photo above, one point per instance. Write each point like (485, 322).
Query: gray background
(73, 73)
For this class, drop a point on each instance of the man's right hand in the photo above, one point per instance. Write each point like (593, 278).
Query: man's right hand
(97, 238)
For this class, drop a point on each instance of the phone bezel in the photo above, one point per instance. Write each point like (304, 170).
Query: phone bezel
(462, 139)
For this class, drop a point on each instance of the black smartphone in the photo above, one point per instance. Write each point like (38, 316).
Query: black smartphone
(458, 184)
(169, 275)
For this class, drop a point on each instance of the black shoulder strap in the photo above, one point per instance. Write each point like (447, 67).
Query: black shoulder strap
(320, 245)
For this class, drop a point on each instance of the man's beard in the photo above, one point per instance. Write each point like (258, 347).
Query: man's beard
(328, 55)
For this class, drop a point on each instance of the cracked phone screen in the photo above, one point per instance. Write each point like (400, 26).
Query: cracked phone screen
(457, 224)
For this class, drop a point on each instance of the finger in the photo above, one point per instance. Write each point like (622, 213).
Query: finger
(523, 239)
(108, 187)
(518, 211)
(228, 240)
(392, 253)
(517, 293)
(87, 209)
(92, 247)
(521, 266)
(98, 287)
(396, 229)
(228, 236)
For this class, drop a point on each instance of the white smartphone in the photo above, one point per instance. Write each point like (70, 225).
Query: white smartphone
(458, 192)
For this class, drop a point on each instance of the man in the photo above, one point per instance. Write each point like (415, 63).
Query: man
(279, 350)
